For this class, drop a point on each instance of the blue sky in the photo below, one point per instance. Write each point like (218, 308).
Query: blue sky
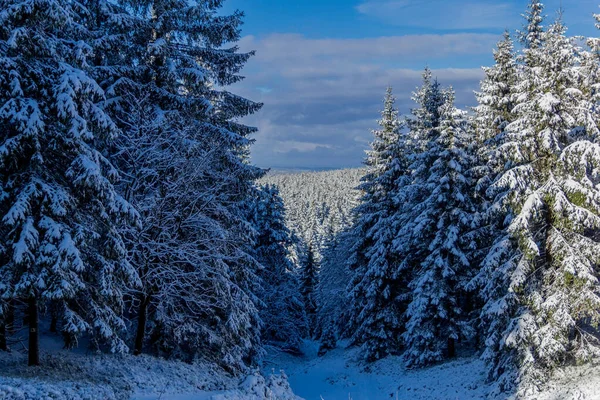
(322, 66)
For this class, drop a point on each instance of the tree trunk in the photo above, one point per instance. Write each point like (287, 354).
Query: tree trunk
(53, 320)
(3, 335)
(141, 326)
(9, 319)
(451, 348)
(34, 333)
(7, 326)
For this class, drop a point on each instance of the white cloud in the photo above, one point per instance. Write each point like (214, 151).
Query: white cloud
(297, 49)
(325, 94)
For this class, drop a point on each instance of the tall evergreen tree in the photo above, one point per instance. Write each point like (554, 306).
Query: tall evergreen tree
(283, 313)
(540, 281)
(496, 97)
(531, 37)
(376, 279)
(425, 122)
(590, 62)
(411, 189)
(496, 102)
(333, 306)
(435, 315)
(177, 58)
(60, 212)
(309, 282)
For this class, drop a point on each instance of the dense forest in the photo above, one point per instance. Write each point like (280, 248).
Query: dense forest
(481, 228)
(133, 220)
(477, 230)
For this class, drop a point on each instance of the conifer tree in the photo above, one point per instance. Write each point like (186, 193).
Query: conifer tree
(496, 98)
(590, 63)
(425, 122)
(494, 112)
(435, 315)
(333, 305)
(309, 282)
(328, 339)
(3, 327)
(496, 101)
(177, 59)
(283, 313)
(531, 37)
(540, 284)
(376, 279)
(60, 212)
(412, 187)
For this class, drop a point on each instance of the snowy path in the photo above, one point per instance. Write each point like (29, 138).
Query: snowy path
(337, 376)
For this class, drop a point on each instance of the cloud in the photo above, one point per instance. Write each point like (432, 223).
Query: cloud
(324, 95)
(294, 48)
(443, 14)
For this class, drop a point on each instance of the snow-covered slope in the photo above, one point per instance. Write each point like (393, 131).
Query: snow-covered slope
(69, 375)
(318, 204)
(339, 375)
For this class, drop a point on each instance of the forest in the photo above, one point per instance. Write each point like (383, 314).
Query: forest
(140, 245)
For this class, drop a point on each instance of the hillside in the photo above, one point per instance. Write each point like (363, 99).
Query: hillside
(318, 204)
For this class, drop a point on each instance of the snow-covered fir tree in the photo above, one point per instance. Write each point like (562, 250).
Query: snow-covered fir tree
(531, 37)
(539, 280)
(328, 339)
(496, 101)
(377, 281)
(495, 98)
(411, 189)
(333, 313)
(60, 212)
(283, 311)
(309, 281)
(425, 121)
(423, 128)
(590, 63)
(494, 112)
(436, 318)
(184, 159)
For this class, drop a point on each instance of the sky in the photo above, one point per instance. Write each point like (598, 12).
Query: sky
(322, 66)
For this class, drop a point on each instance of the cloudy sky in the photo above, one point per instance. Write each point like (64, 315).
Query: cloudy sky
(322, 66)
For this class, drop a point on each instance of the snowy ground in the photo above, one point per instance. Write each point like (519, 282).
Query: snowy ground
(336, 376)
(339, 376)
(75, 375)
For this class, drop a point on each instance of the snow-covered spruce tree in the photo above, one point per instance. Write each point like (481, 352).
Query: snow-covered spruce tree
(425, 121)
(496, 101)
(170, 179)
(328, 339)
(283, 313)
(410, 193)
(541, 285)
(334, 277)
(496, 98)
(377, 282)
(435, 315)
(60, 212)
(196, 181)
(531, 37)
(308, 287)
(590, 62)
